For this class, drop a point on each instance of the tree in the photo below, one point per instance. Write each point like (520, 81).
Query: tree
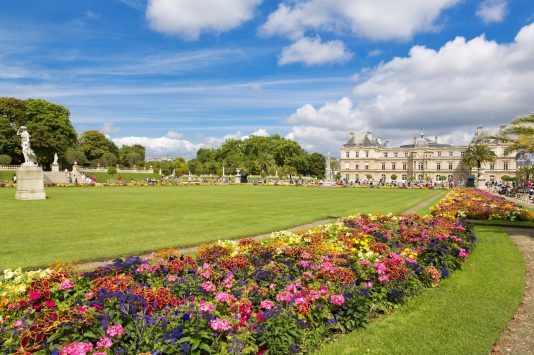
(316, 165)
(368, 176)
(526, 173)
(75, 155)
(5, 159)
(109, 159)
(520, 135)
(394, 177)
(94, 144)
(48, 124)
(132, 155)
(112, 171)
(478, 154)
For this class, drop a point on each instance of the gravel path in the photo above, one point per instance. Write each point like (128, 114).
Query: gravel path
(518, 338)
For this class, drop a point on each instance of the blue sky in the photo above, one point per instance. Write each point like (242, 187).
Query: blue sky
(177, 75)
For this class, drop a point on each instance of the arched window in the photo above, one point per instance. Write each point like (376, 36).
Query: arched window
(383, 177)
(404, 177)
(420, 177)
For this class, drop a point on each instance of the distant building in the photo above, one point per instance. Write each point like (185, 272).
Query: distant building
(424, 160)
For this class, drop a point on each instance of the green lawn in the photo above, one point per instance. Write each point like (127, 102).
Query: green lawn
(465, 315)
(87, 223)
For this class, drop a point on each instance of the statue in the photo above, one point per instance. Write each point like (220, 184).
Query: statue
(29, 155)
(55, 158)
(328, 170)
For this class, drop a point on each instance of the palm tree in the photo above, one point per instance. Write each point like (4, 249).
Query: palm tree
(520, 134)
(478, 154)
(526, 173)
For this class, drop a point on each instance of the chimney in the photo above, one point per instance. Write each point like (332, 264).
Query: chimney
(379, 140)
(436, 139)
(351, 134)
(414, 140)
(369, 135)
(387, 143)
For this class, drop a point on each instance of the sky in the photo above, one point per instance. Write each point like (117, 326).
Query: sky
(179, 75)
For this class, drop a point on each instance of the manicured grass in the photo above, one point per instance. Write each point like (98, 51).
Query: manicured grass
(6, 175)
(499, 223)
(87, 223)
(465, 315)
(426, 210)
(105, 177)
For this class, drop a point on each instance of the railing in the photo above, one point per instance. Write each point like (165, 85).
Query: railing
(9, 167)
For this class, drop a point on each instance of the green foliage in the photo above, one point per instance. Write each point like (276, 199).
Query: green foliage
(94, 145)
(394, 177)
(112, 170)
(5, 159)
(132, 155)
(478, 154)
(48, 124)
(75, 155)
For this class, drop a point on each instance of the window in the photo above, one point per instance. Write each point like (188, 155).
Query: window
(383, 166)
(404, 177)
(450, 154)
(406, 154)
(367, 154)
(505, 165)
(357, 176)
(492, 177)
(420, 165)
(385, 154)
(396, 154)
(450, 166)
(357, 166)
(462, 154)
(383, 177)
(438, 166)
(492, 166)
(366, 166)
(420, 177)
(403, 166)
(393, 166)
(357, 154)
(438, 177)
(439, 154)
(347, 154)
(347, 177)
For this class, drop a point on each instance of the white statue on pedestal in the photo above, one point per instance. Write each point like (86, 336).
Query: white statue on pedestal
(29, 155)
(55, 158)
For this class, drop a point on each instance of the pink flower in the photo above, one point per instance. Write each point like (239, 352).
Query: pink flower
(18, 323)
(337, 299)
(221, 325)
(105, 342)
(115, 330)
(172, 278)
(66, 284)
(208, 286)
(463, 253)
(283, 296)
(100, 353)
(206, 307)
(267, 304)
(380, 268)
(228, 282)
(89, 295)
(304, 263)
(224, 297)
(50, 303)
(368, 284)
(364, 262)
(383, 278)
(34, 295)
(305, 255)
(76, 348)
(205, 274)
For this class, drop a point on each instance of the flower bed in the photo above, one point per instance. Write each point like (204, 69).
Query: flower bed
(289, 293)
(478, 204)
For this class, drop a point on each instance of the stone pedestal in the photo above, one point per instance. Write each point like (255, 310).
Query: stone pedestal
(55, 168)
(481, 180)
(237, 178)
(30, 185)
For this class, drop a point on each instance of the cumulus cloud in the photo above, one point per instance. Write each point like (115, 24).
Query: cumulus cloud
(492, 11)
(188, 18)
(311, 51)
(374, 19)
(167, 146)
(463, 84)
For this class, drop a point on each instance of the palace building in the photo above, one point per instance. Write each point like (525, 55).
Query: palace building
(366, 158)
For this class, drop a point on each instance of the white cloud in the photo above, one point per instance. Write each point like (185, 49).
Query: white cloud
(311, 51)
(338, 114)
(167, 146)
(188, 18)
(492, 11)
(92, 15)
(374, 19)
(108, 128)
(449, 91)
(262, 132)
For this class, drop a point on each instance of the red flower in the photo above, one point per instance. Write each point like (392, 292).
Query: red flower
(34, 295)
(50, 303)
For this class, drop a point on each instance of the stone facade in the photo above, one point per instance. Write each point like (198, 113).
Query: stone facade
(424, 160)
